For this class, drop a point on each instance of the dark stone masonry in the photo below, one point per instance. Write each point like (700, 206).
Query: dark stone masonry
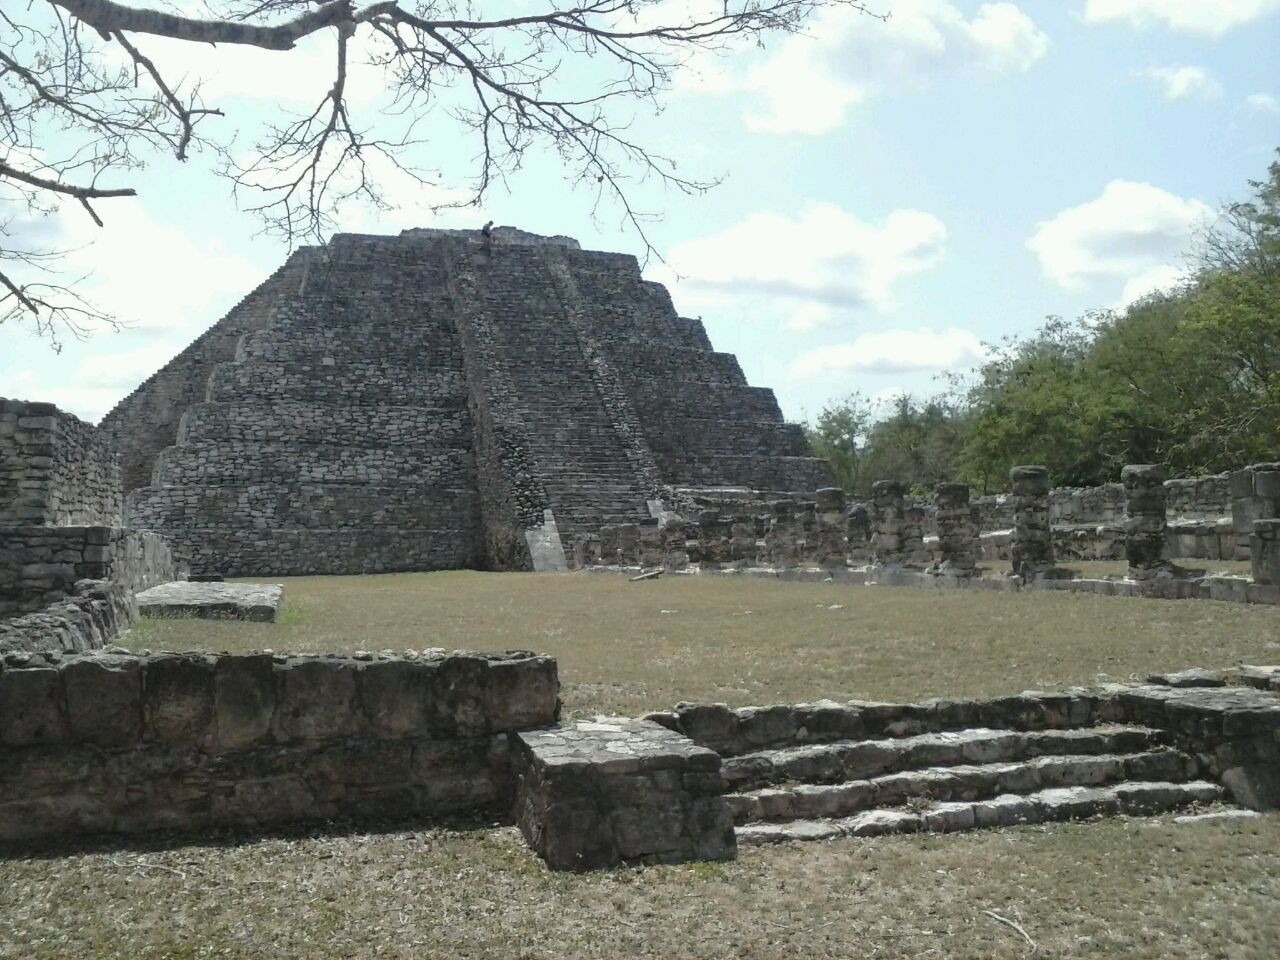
(122, 743)
(418, 402)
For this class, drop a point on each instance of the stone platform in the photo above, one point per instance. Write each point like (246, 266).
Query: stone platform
(213, 601)
(603, 792)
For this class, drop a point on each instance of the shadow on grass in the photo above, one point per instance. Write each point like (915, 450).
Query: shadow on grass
(246, 835)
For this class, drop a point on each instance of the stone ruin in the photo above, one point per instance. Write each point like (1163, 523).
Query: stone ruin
(421, 402)
(424, 402)
(894, 540)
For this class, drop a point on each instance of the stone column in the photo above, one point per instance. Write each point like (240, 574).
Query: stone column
(956, 530)
(629, 544)
(650, 543)
(1255, 495)
(1264, 551)
(713, 539)
(886, 536)
(675, 549)
(914, 520)
(858, 535)
(1031, 548)
(829, 530)
(780, 538)
(1144, 520)
(609, 544)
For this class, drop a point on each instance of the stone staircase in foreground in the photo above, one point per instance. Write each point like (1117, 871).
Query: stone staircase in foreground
(824, 770)
(961, 780)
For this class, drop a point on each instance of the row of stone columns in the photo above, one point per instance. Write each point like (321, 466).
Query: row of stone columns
(891, 532)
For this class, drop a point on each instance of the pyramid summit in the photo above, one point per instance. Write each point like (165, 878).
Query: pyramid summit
(440, 399)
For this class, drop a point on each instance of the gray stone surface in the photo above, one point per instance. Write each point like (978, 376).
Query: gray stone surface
(128, 744)
(216, 601)
(419, 402)
(597, 793)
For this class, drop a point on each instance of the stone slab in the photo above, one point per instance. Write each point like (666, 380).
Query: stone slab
(213, 601)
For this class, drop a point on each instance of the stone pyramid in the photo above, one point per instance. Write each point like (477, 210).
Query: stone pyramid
(426, 401)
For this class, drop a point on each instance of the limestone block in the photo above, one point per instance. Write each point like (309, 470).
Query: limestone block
(104, 700)
(597, 793)
(245, 699)
(31, 707)
(178, 698)
(316, 699)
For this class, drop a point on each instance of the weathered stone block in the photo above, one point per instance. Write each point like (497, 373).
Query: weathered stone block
(244, 699)
(104, 700)
(598, 793)
(31, 707)
(178, 699)
(316, 699)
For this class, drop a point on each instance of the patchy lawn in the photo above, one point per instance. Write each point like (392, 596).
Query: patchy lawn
(1141, 888)
(631, 647)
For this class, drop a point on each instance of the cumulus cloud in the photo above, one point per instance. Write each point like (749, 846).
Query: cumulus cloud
(814, 268)
(1184, 83)
(1262, 103)
(1133, 233)
(893, 351)
(1208, 17)
(811, 81)
(1158, 279)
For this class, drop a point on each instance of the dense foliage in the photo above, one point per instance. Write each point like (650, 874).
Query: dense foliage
(1189, 379)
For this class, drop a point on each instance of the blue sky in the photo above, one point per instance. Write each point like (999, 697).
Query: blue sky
(896, 193)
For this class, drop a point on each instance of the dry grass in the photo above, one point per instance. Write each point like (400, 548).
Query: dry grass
(1119, 888)
(631, 647)
(1130, 888)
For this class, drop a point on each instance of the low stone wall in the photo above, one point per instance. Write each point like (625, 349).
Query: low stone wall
(93, 614)
(41, 565)
(55, 469)
(128, 744)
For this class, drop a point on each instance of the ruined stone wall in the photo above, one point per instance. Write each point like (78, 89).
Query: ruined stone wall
(61, 545)
(133, 744)
(88, 617)
(146, 421)
(41, 565)
(55, 469)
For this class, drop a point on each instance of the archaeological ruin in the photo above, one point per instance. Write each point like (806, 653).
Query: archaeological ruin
(429, 402)
(424, 402)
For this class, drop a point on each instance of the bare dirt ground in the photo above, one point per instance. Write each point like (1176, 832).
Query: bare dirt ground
(1148, 887)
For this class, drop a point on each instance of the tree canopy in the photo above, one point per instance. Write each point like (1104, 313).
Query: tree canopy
(85, 102)
(1188, 378)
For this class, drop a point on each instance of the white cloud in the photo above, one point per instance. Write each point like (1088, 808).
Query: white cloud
(1158, 279)
(1262, 102)
(814, 268)
(1131, 233)
(1208, 17)
(1184, 83)
(893, 351)
(844, 58)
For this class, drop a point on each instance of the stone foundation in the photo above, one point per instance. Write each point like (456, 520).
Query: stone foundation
(131, 744)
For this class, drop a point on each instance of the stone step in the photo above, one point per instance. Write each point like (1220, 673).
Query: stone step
(1043, 806)
(298, 421)
(958, 782)
(859, 759)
